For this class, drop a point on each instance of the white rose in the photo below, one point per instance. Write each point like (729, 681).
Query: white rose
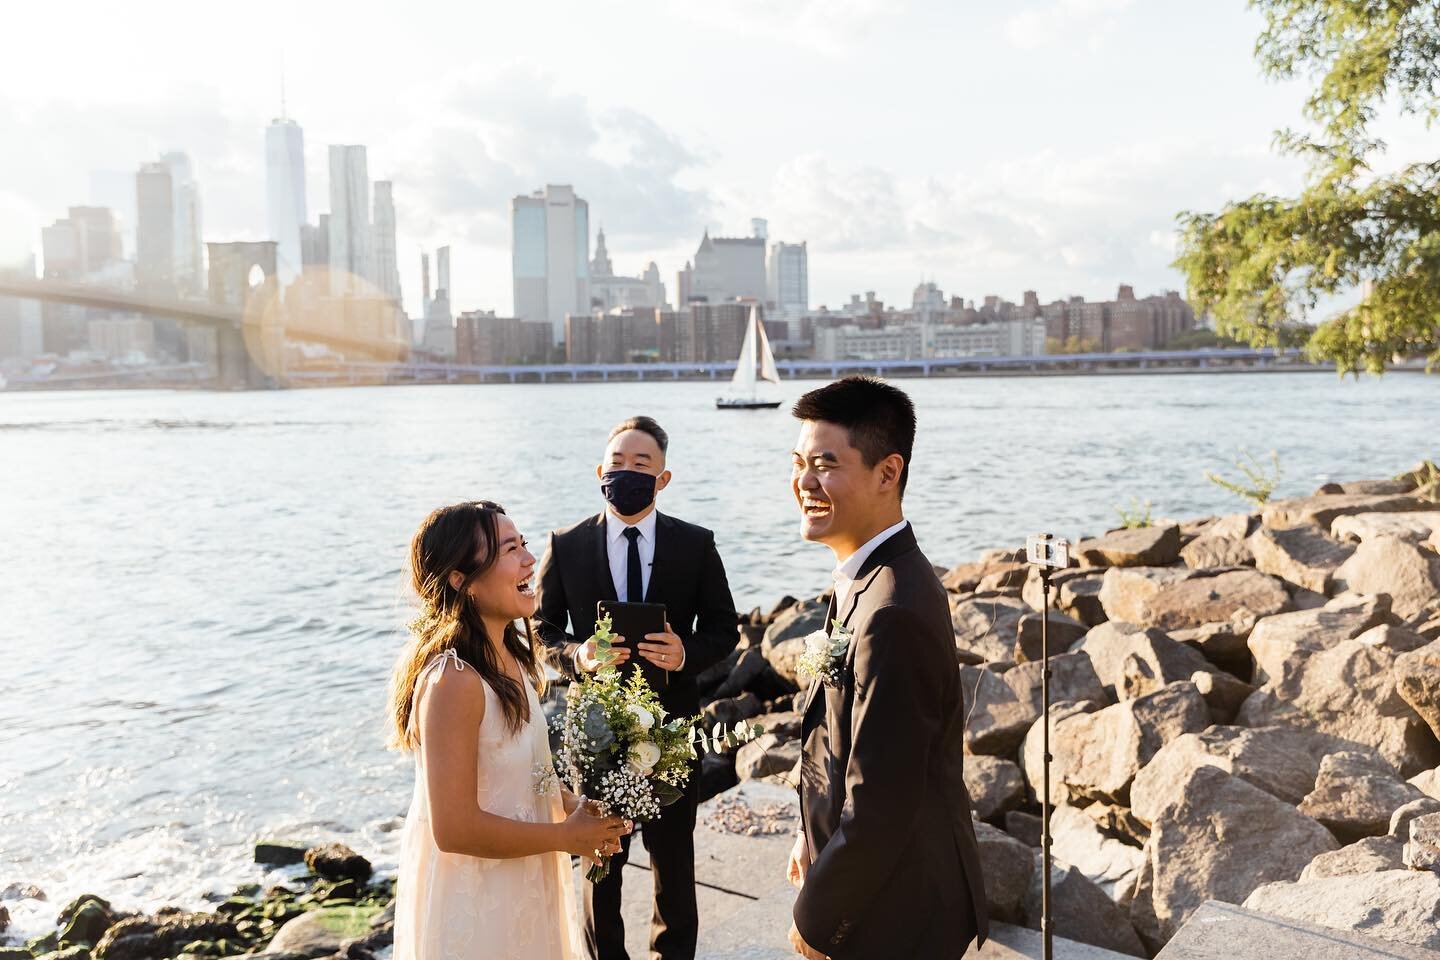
(817, 642)
(642, 716)
(643, 756)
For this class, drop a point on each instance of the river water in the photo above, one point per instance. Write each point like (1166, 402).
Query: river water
(201, 593)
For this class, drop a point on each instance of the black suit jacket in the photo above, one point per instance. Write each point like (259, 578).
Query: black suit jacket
(687, 576)
(894, 866)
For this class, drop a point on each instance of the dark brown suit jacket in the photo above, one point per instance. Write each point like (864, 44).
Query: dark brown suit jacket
(894, 866)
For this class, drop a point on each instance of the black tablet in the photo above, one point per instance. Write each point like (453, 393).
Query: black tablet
(633, 621)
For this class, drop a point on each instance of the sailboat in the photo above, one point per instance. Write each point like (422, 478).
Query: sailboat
(745, 384)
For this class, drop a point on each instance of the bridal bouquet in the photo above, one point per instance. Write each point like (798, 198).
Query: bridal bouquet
(618, 749)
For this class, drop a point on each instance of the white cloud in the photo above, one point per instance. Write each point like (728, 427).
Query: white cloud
(829, 27)
(1043, 24)
(512, 131)
(1057, 224)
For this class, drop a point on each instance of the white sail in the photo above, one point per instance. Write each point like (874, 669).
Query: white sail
(744, 378)
(768, 372)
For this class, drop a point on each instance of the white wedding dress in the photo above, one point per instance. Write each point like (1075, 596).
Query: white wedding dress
(455, 907)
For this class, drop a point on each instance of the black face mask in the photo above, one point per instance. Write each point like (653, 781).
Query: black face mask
(628, 491)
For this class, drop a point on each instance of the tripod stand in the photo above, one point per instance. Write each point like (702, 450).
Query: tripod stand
(1047, 919)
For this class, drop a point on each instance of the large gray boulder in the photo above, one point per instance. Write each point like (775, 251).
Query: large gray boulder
(1238, 597)
(1279, 639)
(998, 719)
(1075, 592)
(1368, 855)
(1397, 905)
(1235, 525)
(1422, 844)
(1415, 527)
(1405, 572)
(1348, 690)
(1063, 631)
(1072, 677)
(1210, 550)
(784, 639)
(1224, 694)
(1220, 839)
(966, 577)
(1032, 752)
(1303, 555)
(1110, 645)
(1282, 761)
(1127, 592)
(1081, 910)
(1401, 819)
(1097, 755)
(1427, 782)
(322, 931)
(1003, 707)
(1112, 865)
(766, 756)
(995, 786)
(1153, 546)
(1323, 510)
(1007, 866)
(987, 626)
(1355, 795)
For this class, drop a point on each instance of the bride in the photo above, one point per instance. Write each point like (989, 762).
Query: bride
(484, 865)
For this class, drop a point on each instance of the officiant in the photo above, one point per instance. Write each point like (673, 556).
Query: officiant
(631, 552)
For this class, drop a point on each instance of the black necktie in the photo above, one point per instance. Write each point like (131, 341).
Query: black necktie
(634, 585)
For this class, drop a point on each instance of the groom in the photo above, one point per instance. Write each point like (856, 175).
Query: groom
(633, 552)
(886, 860)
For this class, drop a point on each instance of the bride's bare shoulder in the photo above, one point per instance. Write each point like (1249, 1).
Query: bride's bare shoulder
(451, 691)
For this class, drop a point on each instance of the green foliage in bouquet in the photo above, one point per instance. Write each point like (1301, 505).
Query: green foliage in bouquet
(618, 747)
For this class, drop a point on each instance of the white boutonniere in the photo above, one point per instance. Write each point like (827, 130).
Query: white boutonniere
(824, 657)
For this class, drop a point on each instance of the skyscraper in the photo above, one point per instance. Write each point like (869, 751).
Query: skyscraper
(285, 194)
(86, 241)
(439, 336)
(550, 252)
(189, 256)
(350, 260)
(154, 228)
(788, 278)
(387, 267)
(21, 333)
(725, 269)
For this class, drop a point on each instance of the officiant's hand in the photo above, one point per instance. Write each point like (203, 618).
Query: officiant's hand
(588, 660)
(803, 948)
(665, 650)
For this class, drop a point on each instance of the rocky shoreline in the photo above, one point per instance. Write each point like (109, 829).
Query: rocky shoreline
(1245, 708)
(336, 909)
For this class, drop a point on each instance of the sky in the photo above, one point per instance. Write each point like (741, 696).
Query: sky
(990, 147)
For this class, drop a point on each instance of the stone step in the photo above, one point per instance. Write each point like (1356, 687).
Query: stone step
(1223, 931)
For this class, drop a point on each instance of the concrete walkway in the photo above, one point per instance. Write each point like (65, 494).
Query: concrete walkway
(744, 898)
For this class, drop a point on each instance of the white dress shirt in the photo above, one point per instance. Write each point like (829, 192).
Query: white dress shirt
(846, 573)
(619, 551)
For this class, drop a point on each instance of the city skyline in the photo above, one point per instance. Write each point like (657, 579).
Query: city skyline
(954, 154)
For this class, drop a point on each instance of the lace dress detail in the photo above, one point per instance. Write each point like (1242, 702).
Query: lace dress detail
(456, 907)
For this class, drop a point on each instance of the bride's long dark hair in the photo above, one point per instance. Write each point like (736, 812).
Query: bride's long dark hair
(465, 538)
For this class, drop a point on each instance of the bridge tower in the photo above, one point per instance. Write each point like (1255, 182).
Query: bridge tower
(242, 274)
